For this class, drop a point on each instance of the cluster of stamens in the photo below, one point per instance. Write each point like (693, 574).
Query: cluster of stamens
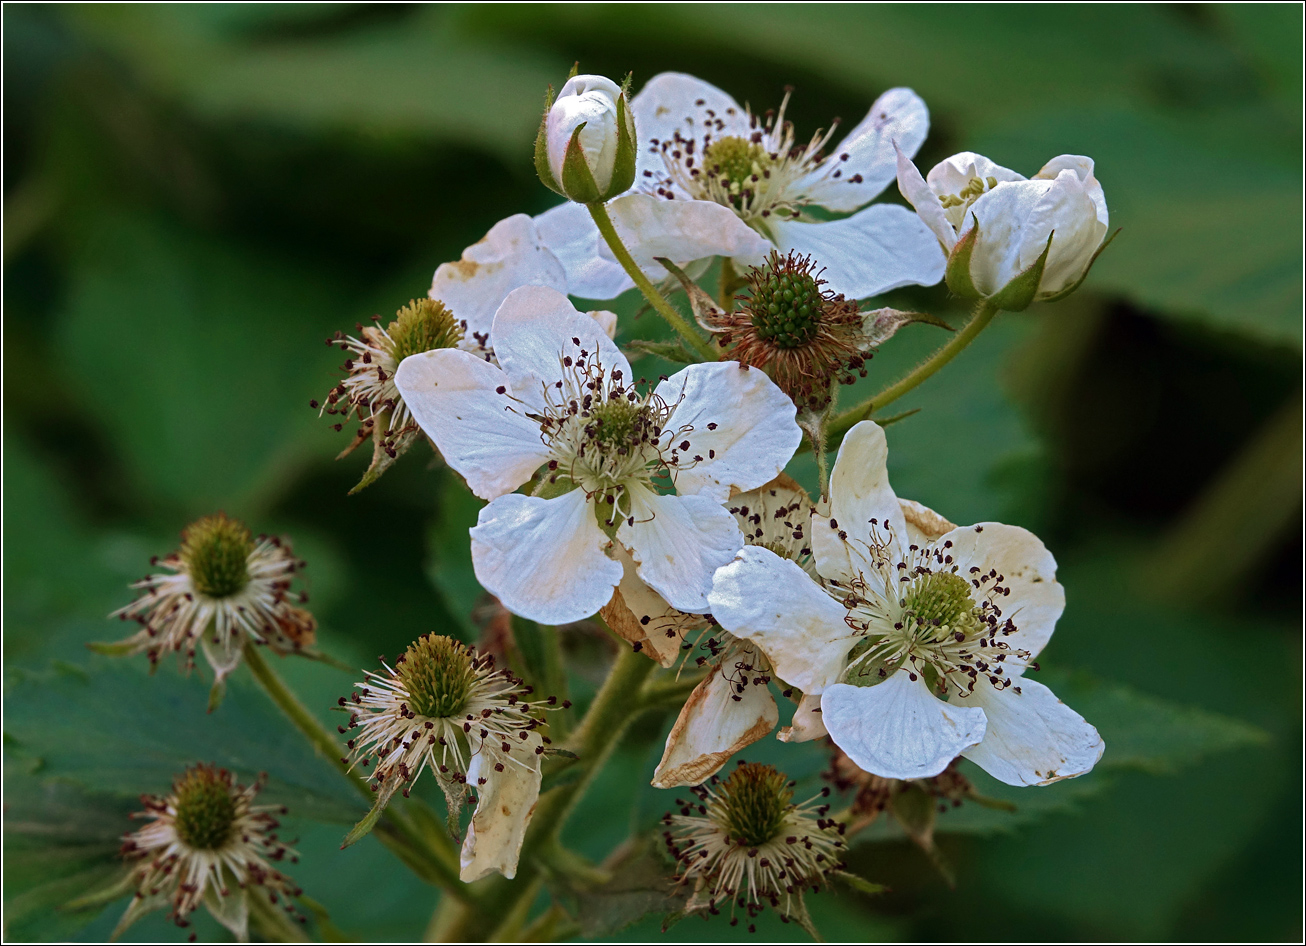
(205, 837)
(923, 614)
(956, 205)
(743, 841)
(805, 337)
(758, 174)
(440, 706)
(368, 391)
(605, 437)
(225, 586)
(874, 794)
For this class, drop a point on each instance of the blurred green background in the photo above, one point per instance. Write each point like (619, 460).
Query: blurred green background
(196, 196)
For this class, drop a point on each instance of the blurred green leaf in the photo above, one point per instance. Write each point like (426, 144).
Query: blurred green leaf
(415, 77)
(60, 843)
(449, 555)
(209, 398)
(114, 729)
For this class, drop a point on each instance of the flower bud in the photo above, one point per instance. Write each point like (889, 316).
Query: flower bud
(1011, 241)
(585, 149)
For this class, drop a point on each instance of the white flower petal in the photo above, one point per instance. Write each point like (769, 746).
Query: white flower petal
(479, 432)
(607, 321)
(1083, 168)
(682, 231)
(1033, 738)
(859, 492)
(1068, 212)
(1005, 233)
(898, 728)
(772, 602)
(510, 255)
(925, 202)
(716, 722)
(640, 615)
(673, 102)
(679, 541)
(1028, 569)
(543, 558)
(570, 234)
(734, 418)
(806, 724)
(952, 174)
(504, 807)
(900, 117)
(535, 329)
(877, 249)
(924, 525)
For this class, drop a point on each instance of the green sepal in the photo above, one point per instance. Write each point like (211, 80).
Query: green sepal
(623, 167)
(706, 311)
(364, 827)
(93, 901)
(673, 351)
(542, 148)
(217, 692)
(957, 275)
(115, 649)
(1077, 283)
(578, 182)
(575, 70)
(861, 885)
(1016, 295)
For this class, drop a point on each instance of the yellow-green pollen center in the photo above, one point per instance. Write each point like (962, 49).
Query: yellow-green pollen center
(735, 161)
(753, 803)
(940, 599)
(787, 308)
(437, 673)
(216, 552)
(423, 325)
(206, 812)
(973, 189)
(618, 423)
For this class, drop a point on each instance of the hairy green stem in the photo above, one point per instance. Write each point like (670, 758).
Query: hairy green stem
(664, 308)
(844, 421)
(618, 702)
(436, 863)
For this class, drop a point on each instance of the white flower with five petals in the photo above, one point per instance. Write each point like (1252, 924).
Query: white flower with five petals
(646, 471)
(711, 173)
(914, 649)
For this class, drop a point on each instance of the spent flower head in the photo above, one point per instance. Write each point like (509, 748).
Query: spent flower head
(224, 587)
(207, 843)
(444, 707)
(743, 841)
(368, 391)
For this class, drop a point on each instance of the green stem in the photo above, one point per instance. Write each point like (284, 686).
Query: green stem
(844, 422)
(434, 864)
(664, 308)
(619, 701)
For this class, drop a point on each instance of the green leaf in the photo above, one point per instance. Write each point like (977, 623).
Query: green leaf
(235, 342)
(1146, 733)
(117, 730)
(414, 78)
(449, 561)
(60, 844)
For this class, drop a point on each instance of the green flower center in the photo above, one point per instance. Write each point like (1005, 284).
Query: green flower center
(438, 674)
(423, 325)
(216, 551)
(941, 599)
(206, 811)
(619, 423)
(787, 306)
(753, 803)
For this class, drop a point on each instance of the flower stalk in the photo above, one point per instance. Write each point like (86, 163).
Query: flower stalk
(846, 420)
(664, 308)
(438, 860)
